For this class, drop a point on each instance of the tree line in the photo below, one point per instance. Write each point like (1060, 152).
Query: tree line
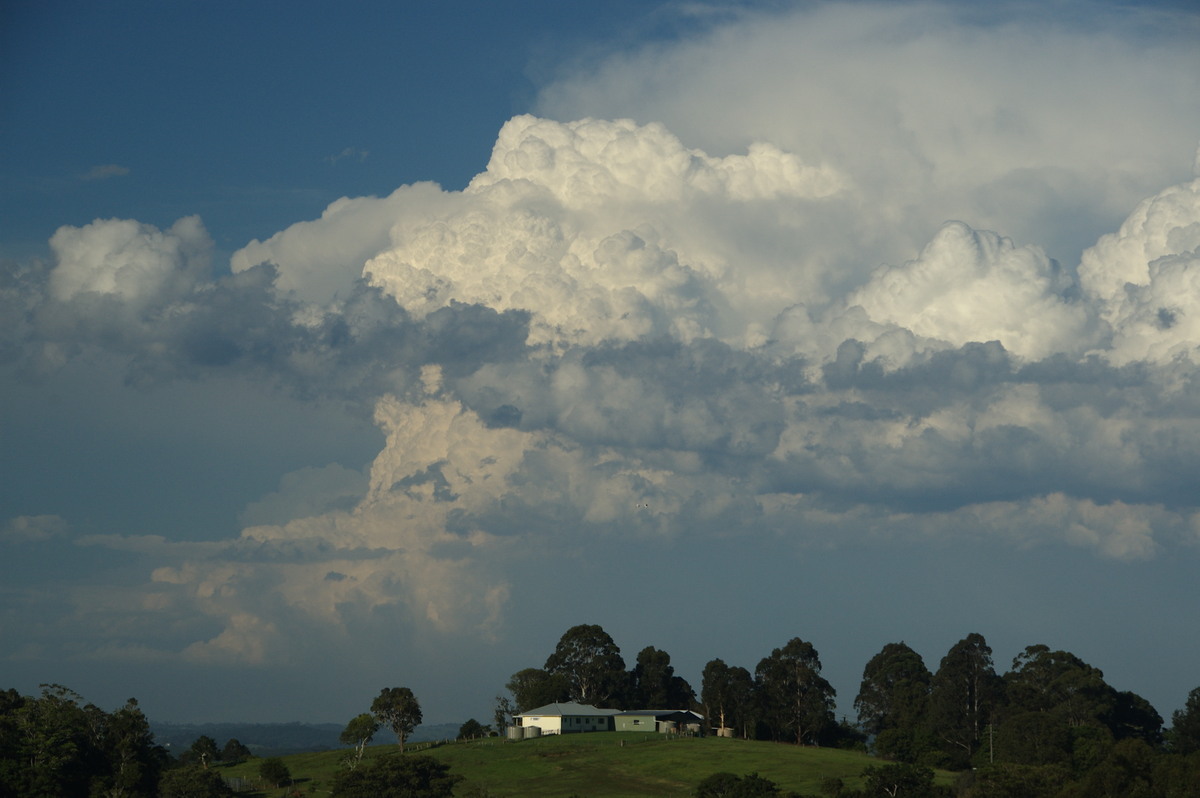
(1048, 726)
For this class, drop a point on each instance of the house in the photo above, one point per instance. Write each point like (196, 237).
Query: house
(566, 718)
(660, 720)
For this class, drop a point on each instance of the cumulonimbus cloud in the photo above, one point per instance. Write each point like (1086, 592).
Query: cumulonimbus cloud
(613, 332)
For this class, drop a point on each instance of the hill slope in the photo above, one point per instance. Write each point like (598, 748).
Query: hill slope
(605, 765)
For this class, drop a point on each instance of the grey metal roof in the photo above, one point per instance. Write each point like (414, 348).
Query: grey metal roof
(569, 708)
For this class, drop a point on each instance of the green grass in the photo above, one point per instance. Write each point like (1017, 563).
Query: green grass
(599, 765)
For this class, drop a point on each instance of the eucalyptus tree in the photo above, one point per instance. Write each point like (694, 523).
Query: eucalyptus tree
(964, 694)
(796, 700)
(398, 709)
(592, 665)
(359, 732)
(893, 702)
(653, 683)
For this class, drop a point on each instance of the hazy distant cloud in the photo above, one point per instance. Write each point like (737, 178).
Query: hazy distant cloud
(33, 528)
(353, 153)
(307, 492)
(105, 171)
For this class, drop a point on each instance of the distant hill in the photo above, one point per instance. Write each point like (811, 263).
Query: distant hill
(281, 739)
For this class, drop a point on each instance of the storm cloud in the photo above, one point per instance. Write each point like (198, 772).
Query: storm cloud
(908, 283)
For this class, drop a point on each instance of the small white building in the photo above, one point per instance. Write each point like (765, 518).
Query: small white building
(567, 718)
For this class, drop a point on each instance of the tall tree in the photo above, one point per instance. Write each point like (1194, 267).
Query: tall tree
(654, 685)
(893, 701)
(135, 761)
(359, 733)
(502, 715)
(797, 700)
(591, 663)
(1185, 725)
(964, 694)
(397, 708)
(1059, 682)
(715, 694)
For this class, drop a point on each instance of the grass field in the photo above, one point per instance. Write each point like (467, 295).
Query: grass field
(599, 765)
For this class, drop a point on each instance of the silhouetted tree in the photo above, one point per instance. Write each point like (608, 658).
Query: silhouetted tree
(795, 699)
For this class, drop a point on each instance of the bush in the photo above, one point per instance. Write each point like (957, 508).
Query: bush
(727, 785)
(193, 782)
(397, 776)
(274, 771)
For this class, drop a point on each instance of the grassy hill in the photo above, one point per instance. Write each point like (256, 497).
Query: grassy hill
(600, 765)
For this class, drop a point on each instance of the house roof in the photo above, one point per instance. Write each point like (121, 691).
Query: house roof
(569, 708)
(662, 713)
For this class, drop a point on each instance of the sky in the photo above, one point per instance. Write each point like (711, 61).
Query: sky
(377, 344)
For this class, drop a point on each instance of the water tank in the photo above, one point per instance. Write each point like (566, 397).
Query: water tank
(516, 732)
(533, 731)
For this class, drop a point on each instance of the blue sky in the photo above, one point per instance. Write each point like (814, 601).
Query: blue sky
(373, 345)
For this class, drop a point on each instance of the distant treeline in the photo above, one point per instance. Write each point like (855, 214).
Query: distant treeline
(1048, 727)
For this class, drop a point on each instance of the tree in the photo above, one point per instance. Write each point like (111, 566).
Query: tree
(204, 750)
(191, 781)
(1059, 682)
(1134, 718)
(893, 701)
(728, 696)
(397, 708)
(796, 699)
(503, 713)
(898, 781)
(591, 663)
(654, 685)
(534, 687)
(963, 696)
(358, 733)
(54, 746)
(234, 751)
(397, 777)
(134, 760)
(1185, 725)
(471, 730)
(274, 771)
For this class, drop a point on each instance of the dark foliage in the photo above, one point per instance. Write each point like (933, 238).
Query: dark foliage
(397, 776)
(728, 785)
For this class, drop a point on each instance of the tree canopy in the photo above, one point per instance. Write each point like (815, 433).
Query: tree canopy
(796, 699)
(591, 663)
(398, 709)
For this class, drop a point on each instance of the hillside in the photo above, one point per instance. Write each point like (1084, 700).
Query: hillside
(605, 764)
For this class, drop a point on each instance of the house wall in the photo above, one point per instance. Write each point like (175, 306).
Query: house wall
(549, 724)
(643, 723)
(585, 723)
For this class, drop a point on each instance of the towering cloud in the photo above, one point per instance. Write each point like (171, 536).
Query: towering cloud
(815, 328)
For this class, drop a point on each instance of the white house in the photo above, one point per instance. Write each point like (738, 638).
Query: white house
(567, 718)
